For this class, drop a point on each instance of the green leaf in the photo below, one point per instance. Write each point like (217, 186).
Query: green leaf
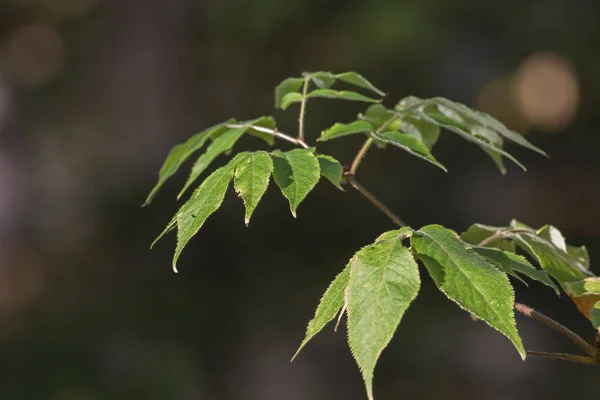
(495, 140)
(204, 201)
(468, 279)
(324, 80)
(321, 79)
(330, 304)
(289, 85)
(559, 264)
(289, 99)
(477, 233)
(421, 130)
(251, 180)
(331, 169)
(409, 144)
(296, 172)
(384, 280)
(580, 254)
(595, 315)
(295, 97)
(220, 145)
(181, 152)
(512, 264)
(377, 114)
(554, 236)
(264, 122)
(584, 287)
(339, 130)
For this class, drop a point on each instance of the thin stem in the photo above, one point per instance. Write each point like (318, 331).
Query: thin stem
(598, 347)
(501, 234)
(302, 110)
(530, 312)
(565, 357)
(363, 150)
(374, 200)
(273, 132)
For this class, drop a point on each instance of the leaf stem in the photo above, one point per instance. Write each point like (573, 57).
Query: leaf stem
(352, 180)
(363, 150)
(501, 234)
(273, 132)
(565, 357)
(530, 312)
(303, 109)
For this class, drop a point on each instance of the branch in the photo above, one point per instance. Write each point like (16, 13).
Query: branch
(501, 234)
(273, 132)
(565, 357)
(363, 150)
(374, 200)
(302, 110)
(530, 312)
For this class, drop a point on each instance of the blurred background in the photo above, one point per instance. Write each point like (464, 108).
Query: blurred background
(94, 93)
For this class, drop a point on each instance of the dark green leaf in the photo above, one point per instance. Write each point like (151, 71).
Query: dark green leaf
(330, 304)
(331, 169)
(251, 179)
(477, 233)
(409, 144)
(468, 279)
(219, 146)
(181, 152)
(296, 172)
(512, 264)
(339, 130)
(384, 280)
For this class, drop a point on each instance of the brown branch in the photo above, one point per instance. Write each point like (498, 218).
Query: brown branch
(352, 180)
(565, 357)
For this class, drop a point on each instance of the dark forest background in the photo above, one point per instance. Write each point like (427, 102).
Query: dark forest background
(94, 93)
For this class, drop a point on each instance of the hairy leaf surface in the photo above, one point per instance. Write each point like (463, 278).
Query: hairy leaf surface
(409, 144)
(219, 146)
(251, 179)
(384, 280)
(331, 169)
(468, 279)
(181, 152)
(296, 172)
(512, 264)
(330, 304)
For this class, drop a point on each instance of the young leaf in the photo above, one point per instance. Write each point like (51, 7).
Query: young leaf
(251, 179)
(421, 130)
(289, 85)
(296, 172)
(468, 279)
(294, 97)
(324, 80)
(331, 303)
(338, 130)
(512, 264)
(265, 122)
(220, 145)
(477, 233)
(206, 200)
(377, 115)
(584, 287)
(384, 280)
(181, 152)
(409, 144)
(331, 169)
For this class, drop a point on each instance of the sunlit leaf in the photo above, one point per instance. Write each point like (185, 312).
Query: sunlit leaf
(468, 279)
(219, 146)
(331, 169)
(477, 233)
(595, 315)
(324, 80)
(330, 304)
(384, 280)
(181, 152)
(584, 287)
(251, 179)
(296, 172)
(340, 130)
(409, 144)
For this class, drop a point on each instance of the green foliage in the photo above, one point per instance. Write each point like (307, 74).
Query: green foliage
(382, 279)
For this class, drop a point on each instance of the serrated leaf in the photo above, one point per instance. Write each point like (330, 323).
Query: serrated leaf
(331, 169)
(560, 265)
(324, 80)
(219, 146)
(554, 236)
(204, 201)
(288, 85)
(468, 279)
(180, 153)
(477, 233)
(595, 316)
(584, 287)
(330, 304)
(512, 264)
(338, 130)
(409, 144)
(251, 180)
(384, 280)
(296, 172)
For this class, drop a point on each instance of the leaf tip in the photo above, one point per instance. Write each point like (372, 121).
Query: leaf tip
(294, 213)
(247, 221)
(175, 268)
